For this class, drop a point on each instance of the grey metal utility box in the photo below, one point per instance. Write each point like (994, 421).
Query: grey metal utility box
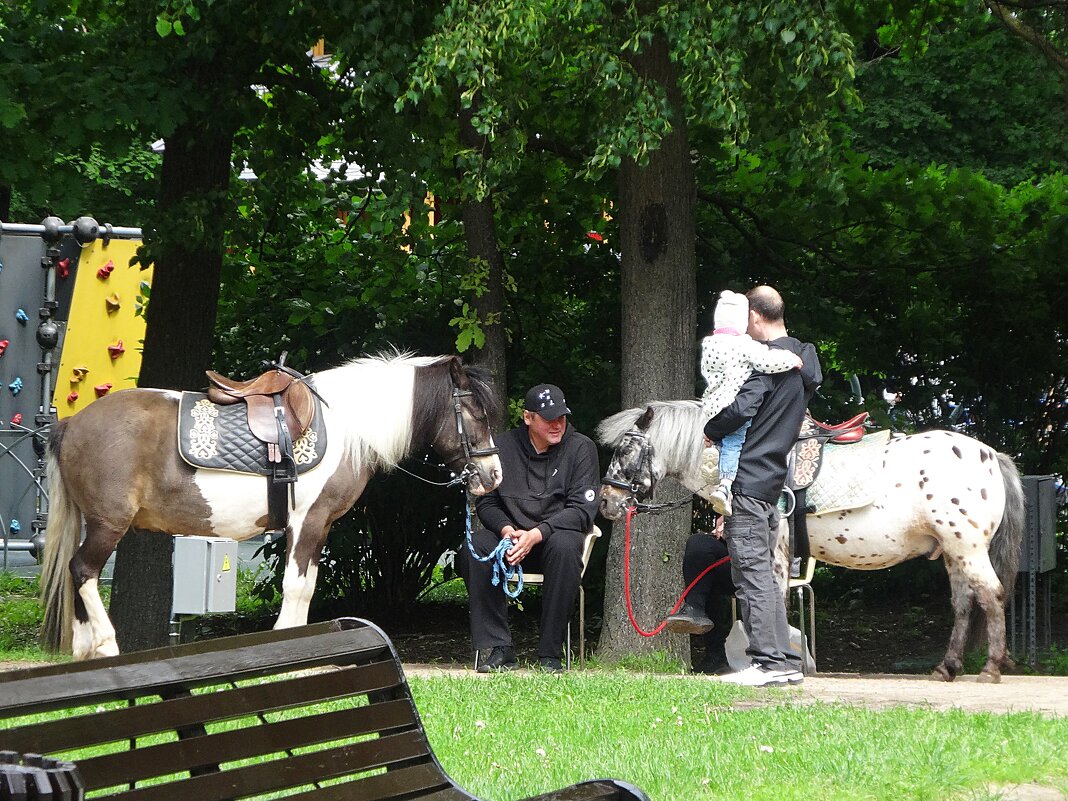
(205, 575)
(1038, 551)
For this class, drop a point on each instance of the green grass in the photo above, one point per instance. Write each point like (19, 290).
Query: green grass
(513, 736)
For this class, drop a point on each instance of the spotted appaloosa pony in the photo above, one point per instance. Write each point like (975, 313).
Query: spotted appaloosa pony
(116, 465)
(937, 493)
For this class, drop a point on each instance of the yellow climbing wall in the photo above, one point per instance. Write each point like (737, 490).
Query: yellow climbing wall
(102, 346)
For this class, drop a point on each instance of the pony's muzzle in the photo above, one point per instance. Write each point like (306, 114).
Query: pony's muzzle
(484, 474)
(614, 502)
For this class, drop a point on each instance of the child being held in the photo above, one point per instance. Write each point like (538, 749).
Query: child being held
(728, 357)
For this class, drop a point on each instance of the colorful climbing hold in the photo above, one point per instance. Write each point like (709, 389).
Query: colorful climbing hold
(3, 346)
(116, 350)
(105, 272)
(78, 374)
(21, 316)
(63, 268)
(16, 419)
(102, 389)
(15, 527)
(72, 397)
(15, 386)
(112, 302)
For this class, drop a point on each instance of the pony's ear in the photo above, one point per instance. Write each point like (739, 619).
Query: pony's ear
(646, 418)
(460, 379)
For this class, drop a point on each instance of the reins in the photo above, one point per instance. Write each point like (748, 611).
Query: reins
(502, 571)
(631, 511)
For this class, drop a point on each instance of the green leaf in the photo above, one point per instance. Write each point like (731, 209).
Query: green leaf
(787, 35)
(163, 27)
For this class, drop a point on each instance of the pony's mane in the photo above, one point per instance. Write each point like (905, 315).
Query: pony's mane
(371, 397)
(374, 398)
(676, 432)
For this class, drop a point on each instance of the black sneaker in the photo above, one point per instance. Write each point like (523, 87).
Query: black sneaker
(549, 664)
(499, 659)
(689, 620)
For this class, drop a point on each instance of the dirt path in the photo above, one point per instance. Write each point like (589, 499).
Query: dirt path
(1047, 695)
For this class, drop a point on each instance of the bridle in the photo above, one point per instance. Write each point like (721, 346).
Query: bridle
(468, 451)
(465, 441)
(644, 460)
(634, 487)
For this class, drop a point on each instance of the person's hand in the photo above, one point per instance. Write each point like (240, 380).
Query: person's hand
(708, 442)
(717, 532)
(522, 542)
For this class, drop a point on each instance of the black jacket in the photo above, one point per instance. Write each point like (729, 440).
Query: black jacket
(776, 405)
(554, 490)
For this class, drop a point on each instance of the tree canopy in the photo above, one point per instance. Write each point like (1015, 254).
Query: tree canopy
(896, 169)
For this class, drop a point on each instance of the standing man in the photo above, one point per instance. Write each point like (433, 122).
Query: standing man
(545, 504)
(776, 405)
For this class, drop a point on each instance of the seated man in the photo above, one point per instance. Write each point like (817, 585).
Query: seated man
(545, 505)
(706, 610)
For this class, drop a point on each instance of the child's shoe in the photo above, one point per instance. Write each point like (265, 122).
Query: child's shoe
(721, 498)
(710, 466)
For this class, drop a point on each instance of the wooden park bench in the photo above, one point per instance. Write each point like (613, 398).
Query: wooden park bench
(316, 712)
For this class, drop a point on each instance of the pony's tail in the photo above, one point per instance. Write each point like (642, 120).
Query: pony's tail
(1004, 549)
(61, 540)
(1005, 545)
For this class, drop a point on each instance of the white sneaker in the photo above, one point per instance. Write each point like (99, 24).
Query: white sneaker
(721, 499)
(757, 675)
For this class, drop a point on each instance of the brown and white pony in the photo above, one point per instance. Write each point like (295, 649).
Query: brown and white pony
(116, 466)
(937, 493)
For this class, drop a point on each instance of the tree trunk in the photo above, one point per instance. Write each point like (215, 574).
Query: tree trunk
(178, 344)
(480, 231)
(659, 307)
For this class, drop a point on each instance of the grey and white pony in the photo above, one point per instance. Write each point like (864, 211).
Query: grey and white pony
(116, 466)
(937, 493)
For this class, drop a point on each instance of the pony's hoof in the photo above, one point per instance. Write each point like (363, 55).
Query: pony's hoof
(989, 677)
(943, 673)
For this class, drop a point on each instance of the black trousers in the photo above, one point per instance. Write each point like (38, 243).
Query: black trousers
(559, 558)
(712, 593)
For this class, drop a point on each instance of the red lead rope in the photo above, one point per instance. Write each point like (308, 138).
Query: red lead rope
(626, 582)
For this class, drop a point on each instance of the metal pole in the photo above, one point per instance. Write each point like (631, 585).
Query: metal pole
(114, 232)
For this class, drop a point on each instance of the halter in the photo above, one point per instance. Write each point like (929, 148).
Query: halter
(644, 457)
(465, 441)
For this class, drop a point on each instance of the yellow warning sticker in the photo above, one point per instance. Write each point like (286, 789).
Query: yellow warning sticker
(226, 562)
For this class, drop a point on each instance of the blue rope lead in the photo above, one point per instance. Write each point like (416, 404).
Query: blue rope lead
(501, 568)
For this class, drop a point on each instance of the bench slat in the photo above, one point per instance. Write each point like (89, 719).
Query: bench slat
(104, 727)
(293, 771)
(201, 647)
(131, 680)
(428, 781)
(238, 744)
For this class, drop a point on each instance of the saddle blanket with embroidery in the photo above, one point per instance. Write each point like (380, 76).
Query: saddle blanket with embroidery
(846, 479)
(218, 438)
